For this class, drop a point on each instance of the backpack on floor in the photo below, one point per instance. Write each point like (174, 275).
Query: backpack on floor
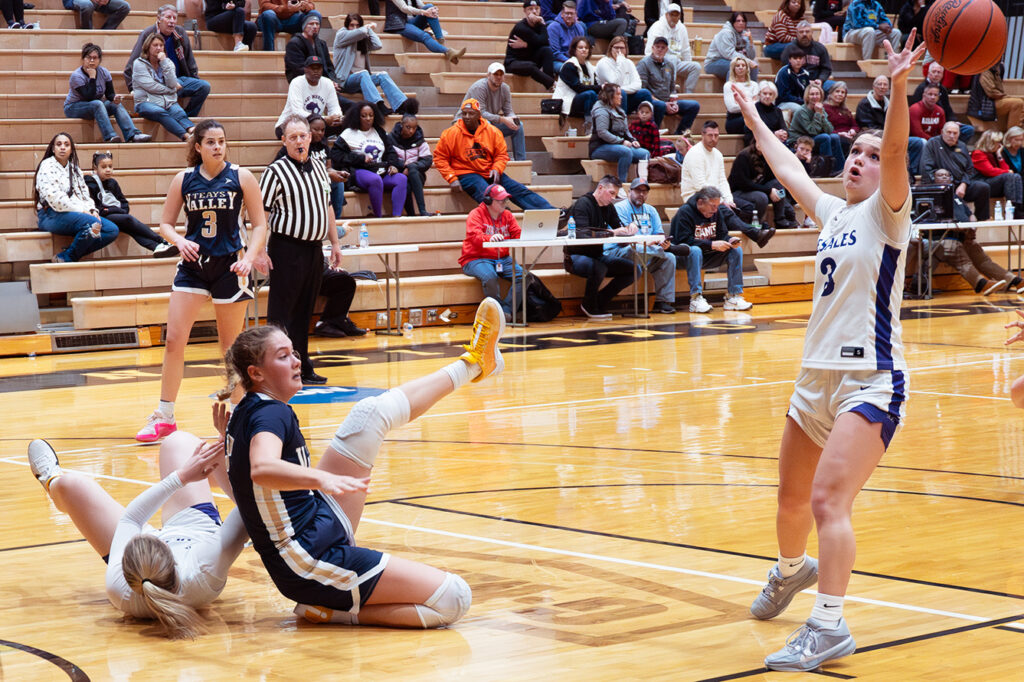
(541, 304)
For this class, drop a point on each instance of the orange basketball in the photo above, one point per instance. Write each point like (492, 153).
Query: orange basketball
(965, 36)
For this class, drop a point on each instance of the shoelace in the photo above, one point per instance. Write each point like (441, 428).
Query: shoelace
(481, 331)
(802, 639)
(774, 583)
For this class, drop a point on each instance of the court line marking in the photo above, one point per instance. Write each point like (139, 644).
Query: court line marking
(962, 395)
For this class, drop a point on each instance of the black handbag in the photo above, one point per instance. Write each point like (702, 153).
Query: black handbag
(551, 106)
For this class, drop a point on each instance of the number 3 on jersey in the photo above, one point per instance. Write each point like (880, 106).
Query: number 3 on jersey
(210, 226)
(828, 266)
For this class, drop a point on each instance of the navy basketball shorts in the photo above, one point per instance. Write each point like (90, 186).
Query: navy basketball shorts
(821, 395)
(212, 276)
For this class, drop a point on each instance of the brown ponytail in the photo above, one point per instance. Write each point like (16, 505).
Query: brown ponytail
(247, 350)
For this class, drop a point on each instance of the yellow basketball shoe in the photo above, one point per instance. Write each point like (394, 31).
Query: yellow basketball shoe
(482, 350)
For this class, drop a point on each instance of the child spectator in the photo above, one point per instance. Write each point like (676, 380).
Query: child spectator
(112, 205)
(413, 151)
(646, 132)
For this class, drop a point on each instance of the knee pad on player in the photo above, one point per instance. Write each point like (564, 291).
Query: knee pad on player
(361, 434)
(448, 604)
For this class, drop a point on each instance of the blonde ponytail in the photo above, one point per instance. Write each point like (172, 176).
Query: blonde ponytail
(149, 568)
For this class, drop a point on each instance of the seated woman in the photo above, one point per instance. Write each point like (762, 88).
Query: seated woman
(110, 201)
(409, 19)
(413, 151)
(810, 120)
(752, 179)
(228, 16)
(63, 203)
(782, 30)
(616, 67)
(155, 88)
(991, 168)
(577, 81)
(769, 112)
(91, 96)
(611, 139)
(732, 41)
(844, 123)
(363, 149)
(352, 47)
(739, 73)
(645, 131)
(1010, 153)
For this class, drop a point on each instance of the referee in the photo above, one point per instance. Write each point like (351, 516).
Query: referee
(296, 195)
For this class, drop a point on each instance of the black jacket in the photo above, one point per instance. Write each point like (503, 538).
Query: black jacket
(296, 52)
(592, 220)
(818, 64)
(689, 226)
(343, 158)
(395, 138)
(868, 116)
(743, 177)
(536, 37)
(111, 186)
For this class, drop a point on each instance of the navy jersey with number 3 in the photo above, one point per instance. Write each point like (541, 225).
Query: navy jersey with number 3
(212, 209)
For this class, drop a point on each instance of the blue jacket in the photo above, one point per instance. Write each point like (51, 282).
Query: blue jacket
(864, 13)
(791, 85)
(595, 10)
(560, 35)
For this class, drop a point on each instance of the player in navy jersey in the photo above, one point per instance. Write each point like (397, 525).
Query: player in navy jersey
(849, 397)
(303, 519)
(213, 193)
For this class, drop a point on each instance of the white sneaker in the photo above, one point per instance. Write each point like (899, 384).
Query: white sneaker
(996, 286)
(157, 427)
(737, 302)
(43, 462)
(241, 47)
(698, 304)
(809, 224)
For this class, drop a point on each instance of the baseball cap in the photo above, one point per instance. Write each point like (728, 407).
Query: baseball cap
(470, 104)
(495, 66)
(496, 192)
(313, 60)
(673, 7)
(639, 182)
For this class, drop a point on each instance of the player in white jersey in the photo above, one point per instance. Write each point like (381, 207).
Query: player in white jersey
(164, 574)
(849, 395)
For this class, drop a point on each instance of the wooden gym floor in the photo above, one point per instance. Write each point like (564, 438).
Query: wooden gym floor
(610, 499)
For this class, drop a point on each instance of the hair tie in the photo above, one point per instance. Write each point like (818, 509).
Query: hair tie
(146, 580)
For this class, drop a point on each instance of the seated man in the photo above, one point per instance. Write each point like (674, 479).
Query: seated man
(562, 30)
(704, 166)
(338, 287)
(491, 221)
(703, 224)
(926, 116)
(817, 61)
(472, 154)
(281, 15)
(595, 216)
(116, 11)
(658, 74)
(934, 76)
(307, 43)
(528, 52)
(312, 95)
(871, 114)
(661, 258)
(867, 25)
(495, 99)
(948, 152)
(677, 46)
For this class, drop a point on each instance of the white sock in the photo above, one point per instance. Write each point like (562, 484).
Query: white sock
(461, 372)
(166, 408)
(827, 610)
(788, 566)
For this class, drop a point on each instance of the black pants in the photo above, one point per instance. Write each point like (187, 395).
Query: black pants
(743, 208)
(294, 284)
(607, 29)
(233, 21)
(734, 124)
(136, 229)
(595, 270)
(339, 288)
(979, 192)
(14, 11)
(540, 69)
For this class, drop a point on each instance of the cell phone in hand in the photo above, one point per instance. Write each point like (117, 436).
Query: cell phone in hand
(734, 241)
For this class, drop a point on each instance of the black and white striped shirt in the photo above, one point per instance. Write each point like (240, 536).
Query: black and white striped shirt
(296, 197)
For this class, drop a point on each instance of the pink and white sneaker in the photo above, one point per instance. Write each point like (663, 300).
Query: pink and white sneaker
(157, 426)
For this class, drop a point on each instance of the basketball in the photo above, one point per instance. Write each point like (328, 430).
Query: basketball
(965, 36)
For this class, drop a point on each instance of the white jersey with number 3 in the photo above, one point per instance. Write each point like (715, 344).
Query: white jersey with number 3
(858, 286)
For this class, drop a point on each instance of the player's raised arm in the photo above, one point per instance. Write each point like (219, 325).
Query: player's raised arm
(895, 182)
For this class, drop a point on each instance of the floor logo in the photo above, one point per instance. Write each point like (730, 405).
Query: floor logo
(320, 395)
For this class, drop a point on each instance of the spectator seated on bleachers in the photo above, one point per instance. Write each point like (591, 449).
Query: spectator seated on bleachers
(739, 74)
(115, 11)
(549, 9)
(871, 114)
(1010, 153)
(832, 13)
(817, 60)
(63, 204)
(352, 47)
(230, 17)
(14, 14)
(817, 166)
(844, 124)
(926, 116)
(960, 250)
(495, 99)
(91, 96)
(111, 203)
(617, 68)
(769, 112)
(491, 221)
(989, 101)
(791, 80)
(601, 18)
(472, 154)
(911, 15)
(281, 15)
(948, 152)
(704, 166)
(179, 50)
(782, 30)
(751, 179)
(563, 28)
(991, 168)
(338, 287)
(408, 19)
(867, 25)
(732, 41)
(528, 53)
(307, 43)
(934, 75)
(658, 74)
(703, 224)
(595, 216)
(677, 46)
(363, 150)
(313, 95)
(811, 121)
(413, 151)
(155, 89)
(610, 139)
(645, 131)
(577, 82)
(320, 149)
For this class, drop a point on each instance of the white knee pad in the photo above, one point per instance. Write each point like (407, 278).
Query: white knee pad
(361, 434)
(448, 604)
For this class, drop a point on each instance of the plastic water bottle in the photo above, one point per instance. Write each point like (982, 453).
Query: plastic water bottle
(571, 227)
(755, 222)
(999, 211)
(645, 224)
(1008, 210)
(364, 236)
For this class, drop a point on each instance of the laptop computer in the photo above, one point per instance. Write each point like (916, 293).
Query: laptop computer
(539, 224)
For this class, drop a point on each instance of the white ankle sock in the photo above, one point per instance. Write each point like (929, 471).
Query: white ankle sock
(461, 372)
(166, 408)
(827, 610)
(788, 566)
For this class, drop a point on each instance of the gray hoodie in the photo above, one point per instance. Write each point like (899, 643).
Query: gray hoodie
(147, 88)
(346, 44)
(727, 44)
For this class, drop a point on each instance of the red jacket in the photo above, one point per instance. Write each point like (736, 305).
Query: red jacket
(926, 123)
(989, 165)
(480, 228)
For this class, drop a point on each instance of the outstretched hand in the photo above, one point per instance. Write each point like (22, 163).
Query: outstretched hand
(334, 484)
(747, 108)
(901, 63)
(221, 416)
(1019, 326)
(204, 460)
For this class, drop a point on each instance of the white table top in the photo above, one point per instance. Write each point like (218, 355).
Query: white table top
(375, 250)
(565, 241)
(1016, 222)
